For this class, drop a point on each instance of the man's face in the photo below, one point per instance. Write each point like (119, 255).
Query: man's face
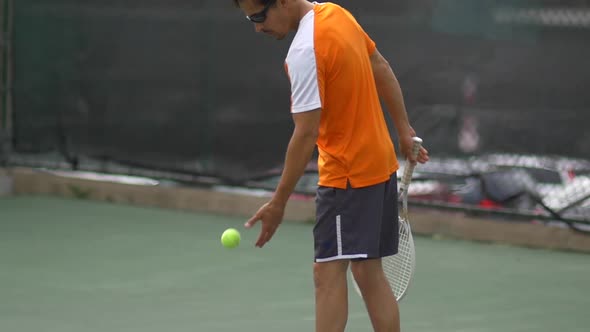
(272, 19)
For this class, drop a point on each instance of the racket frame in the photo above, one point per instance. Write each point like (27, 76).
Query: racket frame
(404, 226)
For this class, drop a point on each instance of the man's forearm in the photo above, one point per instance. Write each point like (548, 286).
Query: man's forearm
(391, 93)
(299, 151)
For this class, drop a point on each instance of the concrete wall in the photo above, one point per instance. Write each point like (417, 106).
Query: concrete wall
(424, 221)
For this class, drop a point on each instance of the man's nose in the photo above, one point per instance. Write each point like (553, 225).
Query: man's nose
(258, 27)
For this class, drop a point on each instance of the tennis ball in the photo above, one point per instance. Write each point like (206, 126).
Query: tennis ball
(230, 238)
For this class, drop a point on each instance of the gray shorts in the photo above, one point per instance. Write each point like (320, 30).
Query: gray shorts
(356, 223)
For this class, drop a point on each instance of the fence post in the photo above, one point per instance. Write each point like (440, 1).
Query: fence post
(6, 110)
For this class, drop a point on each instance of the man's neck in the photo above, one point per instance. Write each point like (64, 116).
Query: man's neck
(303, 8)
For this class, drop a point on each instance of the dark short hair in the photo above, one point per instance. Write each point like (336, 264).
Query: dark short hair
(262, 2)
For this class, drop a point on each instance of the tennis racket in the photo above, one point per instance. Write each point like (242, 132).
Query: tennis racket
(399, 268)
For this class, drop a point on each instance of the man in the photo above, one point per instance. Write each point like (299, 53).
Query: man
(337, 77)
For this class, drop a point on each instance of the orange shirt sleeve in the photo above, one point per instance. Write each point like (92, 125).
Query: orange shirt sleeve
(371, 46)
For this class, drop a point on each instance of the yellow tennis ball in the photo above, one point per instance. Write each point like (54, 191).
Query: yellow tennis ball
(230, 238)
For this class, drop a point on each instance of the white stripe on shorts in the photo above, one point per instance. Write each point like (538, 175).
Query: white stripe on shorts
(339, 235)
(335, 258)
(339, 243)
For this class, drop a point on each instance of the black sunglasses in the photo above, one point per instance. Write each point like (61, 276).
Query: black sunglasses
(261, 15)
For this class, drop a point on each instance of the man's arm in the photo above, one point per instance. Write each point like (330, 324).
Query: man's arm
(298, 154)
(299, 151)
(391, 93)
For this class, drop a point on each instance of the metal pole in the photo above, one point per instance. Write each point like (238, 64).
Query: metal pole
(6, 114)
(2, 65)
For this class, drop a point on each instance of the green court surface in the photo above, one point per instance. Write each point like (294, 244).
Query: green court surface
(69, 265)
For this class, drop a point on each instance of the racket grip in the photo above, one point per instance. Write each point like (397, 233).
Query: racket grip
(409, 167)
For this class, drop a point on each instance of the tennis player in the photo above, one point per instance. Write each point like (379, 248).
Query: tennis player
(337, 78)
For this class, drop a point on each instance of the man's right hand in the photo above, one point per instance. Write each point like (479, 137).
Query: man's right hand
(406, 143)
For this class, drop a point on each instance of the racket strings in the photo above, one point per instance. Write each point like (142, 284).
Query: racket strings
(399, 268)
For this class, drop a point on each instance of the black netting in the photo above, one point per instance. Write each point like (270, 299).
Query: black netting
(187, 86)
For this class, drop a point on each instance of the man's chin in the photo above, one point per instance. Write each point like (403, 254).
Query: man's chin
(276, 36)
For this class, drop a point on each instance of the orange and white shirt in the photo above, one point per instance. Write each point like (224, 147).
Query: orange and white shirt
(329, 67)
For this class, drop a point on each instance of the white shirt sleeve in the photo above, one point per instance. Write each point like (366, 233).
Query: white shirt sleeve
(301, 65)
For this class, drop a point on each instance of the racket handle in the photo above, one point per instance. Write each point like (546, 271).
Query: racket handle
(409, 168)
